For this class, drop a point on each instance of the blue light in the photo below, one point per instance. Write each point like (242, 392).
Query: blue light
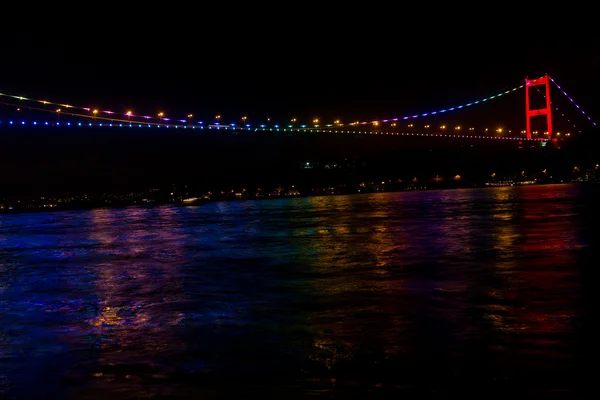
(58, 123)
(130, 125)
(120, 124)
(90, 124)
(109, 124)
(262, 126)
(68, 123)
(79, 123)
(276, 126)
(140, 125)
(46, 123)
(10, 122)
(22, 122)
(35, 123)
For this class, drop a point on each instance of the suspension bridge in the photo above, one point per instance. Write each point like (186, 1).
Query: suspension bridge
(24, 111)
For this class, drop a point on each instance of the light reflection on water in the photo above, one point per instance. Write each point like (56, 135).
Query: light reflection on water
(425, 292)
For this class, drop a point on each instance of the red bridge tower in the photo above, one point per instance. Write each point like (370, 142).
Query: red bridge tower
(545, 80)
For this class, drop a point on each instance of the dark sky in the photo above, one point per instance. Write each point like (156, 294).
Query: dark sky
(292, 59)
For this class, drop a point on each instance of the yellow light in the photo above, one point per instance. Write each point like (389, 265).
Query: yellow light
(190, 116)
(337, 121)
(316, 120)
(218, 117)
(161, 114)
(58, 110)
(129, 113)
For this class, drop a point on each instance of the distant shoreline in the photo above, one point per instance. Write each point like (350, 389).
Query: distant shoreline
(98, 205)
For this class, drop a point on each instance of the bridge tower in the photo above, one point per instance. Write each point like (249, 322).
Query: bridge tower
(545, 80)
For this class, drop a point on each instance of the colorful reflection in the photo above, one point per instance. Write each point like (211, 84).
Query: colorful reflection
(139, 253)
(537, 246)
(342, 294)
(432, 274)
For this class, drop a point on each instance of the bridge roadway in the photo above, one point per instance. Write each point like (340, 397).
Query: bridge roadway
(236, 130)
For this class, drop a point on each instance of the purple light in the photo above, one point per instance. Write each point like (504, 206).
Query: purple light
(572, 101)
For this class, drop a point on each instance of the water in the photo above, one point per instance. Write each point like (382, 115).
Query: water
(477, 292)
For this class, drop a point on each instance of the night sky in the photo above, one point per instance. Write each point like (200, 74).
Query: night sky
(293, 60)
(289, 61)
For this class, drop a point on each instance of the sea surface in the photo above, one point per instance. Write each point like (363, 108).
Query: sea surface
(481, 293)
